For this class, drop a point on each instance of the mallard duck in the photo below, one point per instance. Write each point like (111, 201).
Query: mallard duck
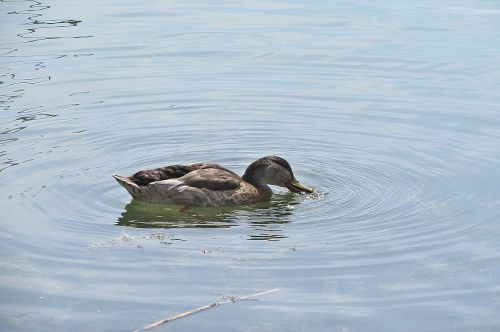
(204, 184)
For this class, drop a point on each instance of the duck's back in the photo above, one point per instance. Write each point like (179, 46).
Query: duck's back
(145, 177)
(200, 184)
(201, 187)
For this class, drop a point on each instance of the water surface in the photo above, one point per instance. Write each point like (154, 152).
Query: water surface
(389, 110)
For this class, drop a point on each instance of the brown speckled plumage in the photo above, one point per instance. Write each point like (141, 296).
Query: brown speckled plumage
(204, 184)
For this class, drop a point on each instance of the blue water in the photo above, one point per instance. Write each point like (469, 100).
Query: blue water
(390, 110)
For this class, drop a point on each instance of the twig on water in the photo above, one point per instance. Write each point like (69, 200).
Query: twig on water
(205, 307)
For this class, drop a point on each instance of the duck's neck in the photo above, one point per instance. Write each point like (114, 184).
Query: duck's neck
(257, 178)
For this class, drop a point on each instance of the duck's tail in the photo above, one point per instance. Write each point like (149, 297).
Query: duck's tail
(132, 188)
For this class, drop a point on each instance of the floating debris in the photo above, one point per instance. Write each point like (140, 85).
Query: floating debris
(226, 299)
(129, 241)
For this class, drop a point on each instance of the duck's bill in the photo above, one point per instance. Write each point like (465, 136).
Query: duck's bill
(297, 187)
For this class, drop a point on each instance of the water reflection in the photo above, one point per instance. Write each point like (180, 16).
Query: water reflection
(35, 12)
(26, 112)
(375, 109)
(262, 217)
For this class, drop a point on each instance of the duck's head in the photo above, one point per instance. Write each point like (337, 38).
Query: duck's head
(276, 171)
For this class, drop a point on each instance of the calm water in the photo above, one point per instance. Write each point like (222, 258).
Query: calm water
(390, 110)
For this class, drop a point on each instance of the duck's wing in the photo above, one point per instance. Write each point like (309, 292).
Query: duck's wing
(145, 177)
(208, 178)
(212, 179)
(202, 187)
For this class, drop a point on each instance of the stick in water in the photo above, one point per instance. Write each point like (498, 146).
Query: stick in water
(205, 307)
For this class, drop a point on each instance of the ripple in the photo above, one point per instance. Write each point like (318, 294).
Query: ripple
(375, 208)
(399, 138)
(215, 46)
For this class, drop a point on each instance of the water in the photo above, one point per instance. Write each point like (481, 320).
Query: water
(389, 109)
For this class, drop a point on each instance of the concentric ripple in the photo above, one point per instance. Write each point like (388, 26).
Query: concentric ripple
(389, 111)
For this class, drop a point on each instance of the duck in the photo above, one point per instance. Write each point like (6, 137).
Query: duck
(209, 185)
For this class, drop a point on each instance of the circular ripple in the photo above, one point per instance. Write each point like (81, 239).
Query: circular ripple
(385, 205)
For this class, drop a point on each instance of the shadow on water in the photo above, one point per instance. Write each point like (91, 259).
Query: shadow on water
(261, 216)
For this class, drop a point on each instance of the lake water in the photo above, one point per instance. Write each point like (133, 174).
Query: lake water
(391, 110)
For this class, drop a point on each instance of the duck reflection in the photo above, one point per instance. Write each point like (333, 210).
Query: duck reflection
(264, 218)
